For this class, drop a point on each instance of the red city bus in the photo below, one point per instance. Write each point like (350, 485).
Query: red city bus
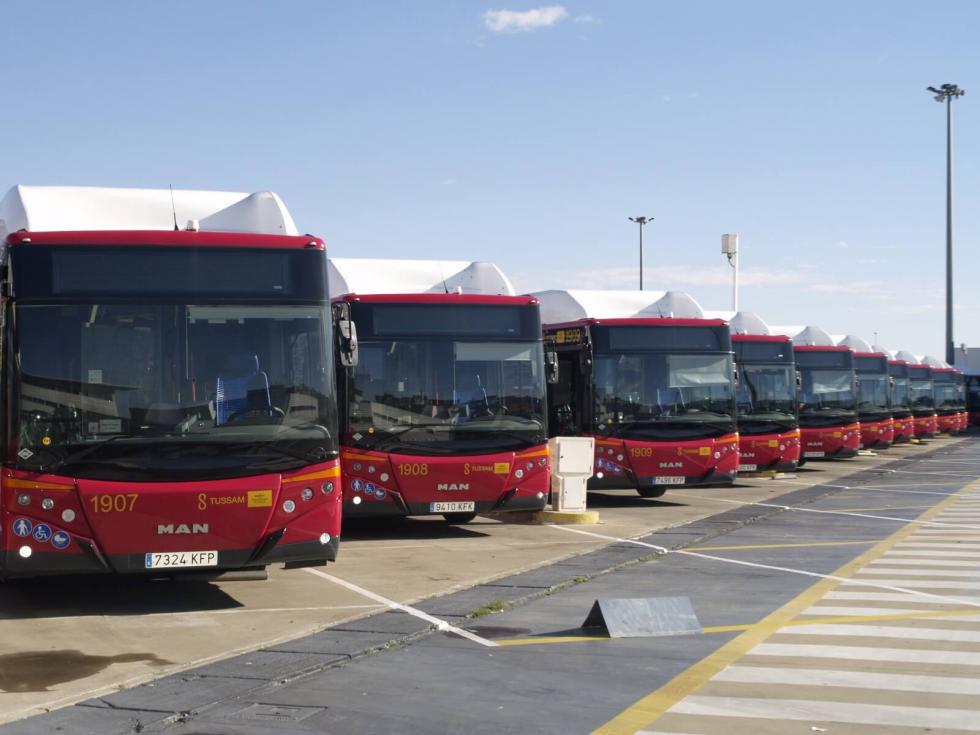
(765, 399)
(874, 400)
(829, 426)
(443, 408)
(962, 417)
(947, 397)
(901, 402)
(170, 403)
(656, 392)
(922, 397)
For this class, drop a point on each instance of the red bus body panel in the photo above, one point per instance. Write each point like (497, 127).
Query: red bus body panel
(761, 452)
(926, 426)
(904, 429)
(102, 526)
(831, 442)
(380, 483)
(645, 463)
(877, 434)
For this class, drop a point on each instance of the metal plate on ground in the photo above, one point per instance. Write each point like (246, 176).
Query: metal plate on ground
(643, 617)
(276, 712)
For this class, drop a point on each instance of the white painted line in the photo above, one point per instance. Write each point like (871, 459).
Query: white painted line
(866, 653)
(891, 597)
(890, 559)
(856, 679)
(964, 546)
(952, 584)
(818, 711)
(938, 554)
(771, 567)
(841, 611)
(936, 573)
(836, 513)
(864, 630)
(437, 622)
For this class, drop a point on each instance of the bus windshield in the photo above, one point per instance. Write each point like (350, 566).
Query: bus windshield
(661, 396)
(921, 394)
(900, 393)
(827, 392)
(171, 391)
(873, 393)
(946, 395)
(766, 392)
(440, 396)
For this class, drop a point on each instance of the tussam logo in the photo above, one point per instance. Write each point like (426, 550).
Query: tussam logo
(671, 465)
(179, 529)
(443, 486)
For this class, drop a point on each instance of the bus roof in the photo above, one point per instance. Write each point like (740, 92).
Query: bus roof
(437, 298)
(95, 208)
(404, 276)
(810, 336)
(746, 323)
(561, 306)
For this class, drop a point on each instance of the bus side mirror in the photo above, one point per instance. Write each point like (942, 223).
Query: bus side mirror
(585, 362)
(799, 380)
(347, 342)
(346, 332)
(551, 366)
(735, 374)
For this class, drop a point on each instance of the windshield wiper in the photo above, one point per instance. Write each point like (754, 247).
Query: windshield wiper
(391, 435)
(527, 440)
(73, 457)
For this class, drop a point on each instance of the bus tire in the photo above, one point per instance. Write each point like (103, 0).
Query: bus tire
(458, 519)
(651, 492)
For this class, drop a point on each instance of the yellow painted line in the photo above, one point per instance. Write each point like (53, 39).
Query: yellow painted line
(875, 510)
(806, 545)
(645, 711)
(821, 620)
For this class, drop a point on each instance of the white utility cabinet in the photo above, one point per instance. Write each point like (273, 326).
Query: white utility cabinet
(572, 464)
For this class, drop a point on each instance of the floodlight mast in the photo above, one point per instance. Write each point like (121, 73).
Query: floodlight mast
(642, 222)
(947, 93)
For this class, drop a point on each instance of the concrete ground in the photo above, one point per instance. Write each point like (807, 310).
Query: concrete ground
(325, 653)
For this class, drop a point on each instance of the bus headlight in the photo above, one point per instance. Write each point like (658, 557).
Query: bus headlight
(289, 506)
(47, 503)
(23, 499)
(307, 493)
(324, 538)
(326, 488)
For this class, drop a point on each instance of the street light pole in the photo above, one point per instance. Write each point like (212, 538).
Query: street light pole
(729, 248)
(642, 222)
(947, 93)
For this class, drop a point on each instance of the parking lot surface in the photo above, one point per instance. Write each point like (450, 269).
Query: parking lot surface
(839, 598)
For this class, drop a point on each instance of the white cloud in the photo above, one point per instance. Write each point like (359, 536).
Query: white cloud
(657, 277)
(587, 19)
(517, 21)
(851, 287)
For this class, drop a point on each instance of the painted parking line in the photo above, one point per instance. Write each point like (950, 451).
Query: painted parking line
(439, 623)
(715, 694)
(802, 545)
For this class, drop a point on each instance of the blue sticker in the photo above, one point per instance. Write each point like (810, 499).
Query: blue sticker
(357, 486)
(23, 527)
(370, 487)
(380, 493)
(60, 540)
(42, 532)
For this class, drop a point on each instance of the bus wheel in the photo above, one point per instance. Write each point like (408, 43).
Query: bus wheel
(651, 492)
(458, 519)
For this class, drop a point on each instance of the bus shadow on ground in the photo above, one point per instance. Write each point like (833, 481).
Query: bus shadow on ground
(628, 499)
(363, 529)
(53, 597)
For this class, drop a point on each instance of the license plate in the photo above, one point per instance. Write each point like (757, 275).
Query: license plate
(179, 559)
(748, 467)
(669, 480)
(814, 454)
(461, 506)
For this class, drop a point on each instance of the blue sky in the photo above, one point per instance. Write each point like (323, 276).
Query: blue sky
(432, 129)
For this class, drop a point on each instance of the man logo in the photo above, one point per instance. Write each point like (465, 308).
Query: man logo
(181, 529)
(671, 465)
(443, 486)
